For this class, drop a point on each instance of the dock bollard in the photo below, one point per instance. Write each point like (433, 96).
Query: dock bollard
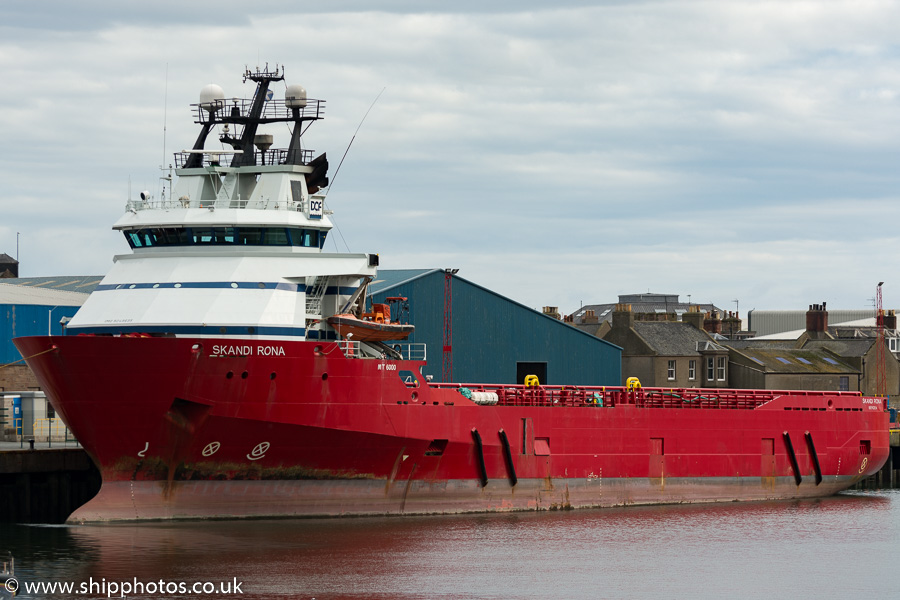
(31, 443)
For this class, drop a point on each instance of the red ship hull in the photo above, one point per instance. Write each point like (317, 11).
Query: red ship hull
(207, 428)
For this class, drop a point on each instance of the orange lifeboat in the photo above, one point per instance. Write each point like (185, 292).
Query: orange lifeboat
(375, 326)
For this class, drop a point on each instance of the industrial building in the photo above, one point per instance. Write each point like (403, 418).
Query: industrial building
(775, 323)
(35, 306)
(476, 335)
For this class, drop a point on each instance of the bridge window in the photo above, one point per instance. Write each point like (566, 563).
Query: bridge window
(136, 239)
(242, 236)
(171, 236)
(308, 238)
(276, 236)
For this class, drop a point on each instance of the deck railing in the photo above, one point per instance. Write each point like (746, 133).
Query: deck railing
(349, 348)
(407, 350)
(607, 397)
(411, 351)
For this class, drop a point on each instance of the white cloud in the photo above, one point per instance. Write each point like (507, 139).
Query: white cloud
(557, 154)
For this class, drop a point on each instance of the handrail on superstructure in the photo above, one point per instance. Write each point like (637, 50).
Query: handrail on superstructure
(270, 157)
(262, 204)
(238, 111)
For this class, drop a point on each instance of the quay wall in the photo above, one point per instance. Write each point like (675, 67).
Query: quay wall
(45, 486)
(889, 475)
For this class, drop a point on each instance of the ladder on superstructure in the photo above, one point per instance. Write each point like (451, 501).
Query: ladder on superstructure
(315, 291)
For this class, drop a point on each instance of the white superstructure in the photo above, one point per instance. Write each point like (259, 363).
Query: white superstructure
(236, 248)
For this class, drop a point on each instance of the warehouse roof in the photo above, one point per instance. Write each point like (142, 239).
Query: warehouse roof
(71, 283)
(19, 294)
(391, 278)
(388, 278)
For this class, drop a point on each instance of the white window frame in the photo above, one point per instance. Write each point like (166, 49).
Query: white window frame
(692, 370)
(710, 369)
(720, 367)
(671, 370)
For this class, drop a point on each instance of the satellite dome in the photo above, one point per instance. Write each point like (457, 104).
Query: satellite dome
(295, 96)
(212, 97)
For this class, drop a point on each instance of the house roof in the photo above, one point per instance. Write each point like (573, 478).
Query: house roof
(859, 329)
(797, 361)
(643, 303)
(671, 338)
(842, 347)
(761, 343)
(591, 328)
(604, 311)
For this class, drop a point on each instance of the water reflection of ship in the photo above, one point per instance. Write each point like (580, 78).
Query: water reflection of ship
(265, 554)
(8, 583)
(381, 557)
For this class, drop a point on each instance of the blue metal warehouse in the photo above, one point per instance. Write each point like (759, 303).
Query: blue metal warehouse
(495, 339)
(29, 308)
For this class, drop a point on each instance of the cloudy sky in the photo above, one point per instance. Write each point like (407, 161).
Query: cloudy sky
(559, 153)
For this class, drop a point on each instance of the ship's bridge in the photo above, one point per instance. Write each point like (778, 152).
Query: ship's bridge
(225, 236)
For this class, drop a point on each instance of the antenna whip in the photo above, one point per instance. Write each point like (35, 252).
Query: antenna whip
(336, 171)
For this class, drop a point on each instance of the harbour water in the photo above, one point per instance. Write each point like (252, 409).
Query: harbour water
(840, 547)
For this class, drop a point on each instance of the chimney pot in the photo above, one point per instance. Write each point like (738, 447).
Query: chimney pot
(817, 319)
(622, 316)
